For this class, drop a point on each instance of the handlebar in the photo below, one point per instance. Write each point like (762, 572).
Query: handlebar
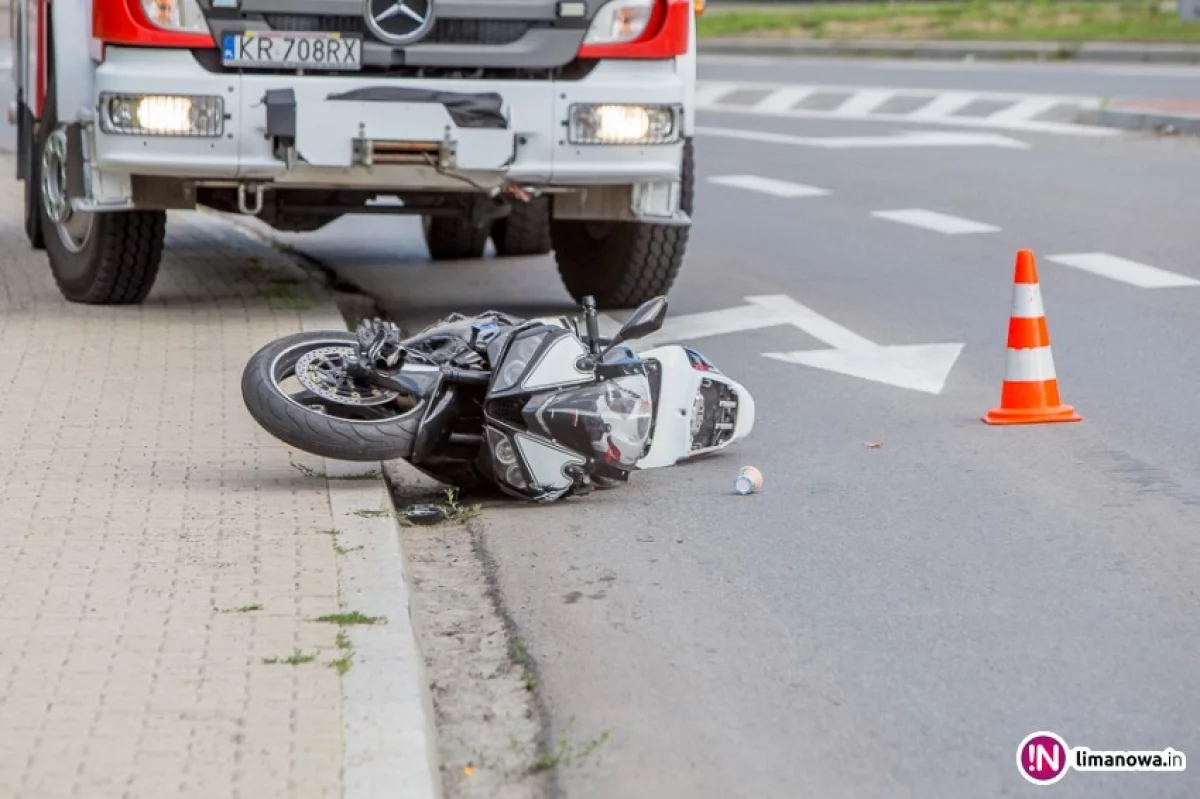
(466, 376)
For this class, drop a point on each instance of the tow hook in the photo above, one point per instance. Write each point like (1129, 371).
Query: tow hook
(245, 207)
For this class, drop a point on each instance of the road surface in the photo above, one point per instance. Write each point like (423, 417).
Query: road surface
(891, 620)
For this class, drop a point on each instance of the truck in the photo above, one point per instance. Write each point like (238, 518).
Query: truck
(559, 126)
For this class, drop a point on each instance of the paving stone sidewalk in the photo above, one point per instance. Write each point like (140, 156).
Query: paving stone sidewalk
(155, 545)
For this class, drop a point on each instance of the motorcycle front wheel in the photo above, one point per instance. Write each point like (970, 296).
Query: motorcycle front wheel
(299, 390)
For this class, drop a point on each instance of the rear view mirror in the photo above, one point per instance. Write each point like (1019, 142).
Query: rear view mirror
(646, 319)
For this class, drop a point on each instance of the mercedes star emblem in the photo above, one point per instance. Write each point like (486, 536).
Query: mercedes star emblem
(399, 21)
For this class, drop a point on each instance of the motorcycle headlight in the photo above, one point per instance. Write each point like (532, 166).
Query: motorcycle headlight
(504, 460)
(184, 16)
(516, 360)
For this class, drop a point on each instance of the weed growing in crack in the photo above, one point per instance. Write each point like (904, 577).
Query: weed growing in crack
(565, 754)
(373, 514)
(343, 663)
(242, 609)
(296, 659)
(347, 619)
(455, 510)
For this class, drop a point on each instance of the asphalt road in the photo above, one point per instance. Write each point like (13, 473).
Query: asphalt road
(891, 621)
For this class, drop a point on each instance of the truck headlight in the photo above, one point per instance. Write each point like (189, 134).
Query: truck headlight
(623, 124)
(617, 22)
(175, 15)
(162, 115)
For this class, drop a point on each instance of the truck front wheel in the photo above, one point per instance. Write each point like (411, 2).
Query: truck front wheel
(108, 258)
(623, 264)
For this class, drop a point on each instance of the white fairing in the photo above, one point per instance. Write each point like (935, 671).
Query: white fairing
(557, 367)
(676, 409)
(547, 463)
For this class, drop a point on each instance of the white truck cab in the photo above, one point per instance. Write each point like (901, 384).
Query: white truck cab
(561, 125)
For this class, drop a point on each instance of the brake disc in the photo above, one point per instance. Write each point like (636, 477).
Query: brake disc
(324, 372)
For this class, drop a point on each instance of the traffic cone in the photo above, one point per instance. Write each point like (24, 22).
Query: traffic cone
(1030, 391)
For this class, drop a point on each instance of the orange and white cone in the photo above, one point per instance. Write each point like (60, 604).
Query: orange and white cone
(1030, 392)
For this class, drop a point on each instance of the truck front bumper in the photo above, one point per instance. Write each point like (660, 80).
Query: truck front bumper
(335, 119)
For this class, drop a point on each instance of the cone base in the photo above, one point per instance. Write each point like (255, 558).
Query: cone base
(1059, 413)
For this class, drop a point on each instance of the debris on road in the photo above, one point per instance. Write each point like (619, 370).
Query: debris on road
(748, 481)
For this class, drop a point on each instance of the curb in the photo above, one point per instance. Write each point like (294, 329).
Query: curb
(388, 721)
(1158, 122)
(1109, 52)
(388, 724)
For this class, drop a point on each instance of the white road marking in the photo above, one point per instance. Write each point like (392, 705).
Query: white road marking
(777, 188)
(824, 330)
(1023, 110)
(900, 139)
(783, 99)
(944, 105)
(918, 367)
(1124, 270)
(932, 220)
(708, 93)
(863, 102)
(709, 323)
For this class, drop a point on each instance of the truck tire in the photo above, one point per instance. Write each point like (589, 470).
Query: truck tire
(33, 181)
(451, 238)
(109, 258)
(317, 433)
(623, 264)
(526, 229)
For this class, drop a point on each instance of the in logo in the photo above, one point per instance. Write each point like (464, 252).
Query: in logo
(1042, 758)
(399, 21)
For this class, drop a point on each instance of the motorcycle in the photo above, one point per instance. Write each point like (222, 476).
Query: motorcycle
(536, 407)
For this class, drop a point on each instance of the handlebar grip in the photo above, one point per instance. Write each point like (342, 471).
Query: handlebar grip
(466, 376)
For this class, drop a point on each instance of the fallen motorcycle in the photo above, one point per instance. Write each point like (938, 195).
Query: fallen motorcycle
(536, 406)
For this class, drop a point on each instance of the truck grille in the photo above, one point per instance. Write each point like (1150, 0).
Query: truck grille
(445, 31)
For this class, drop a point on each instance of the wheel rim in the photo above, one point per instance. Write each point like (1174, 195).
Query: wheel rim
(312, 375)
(74, 228)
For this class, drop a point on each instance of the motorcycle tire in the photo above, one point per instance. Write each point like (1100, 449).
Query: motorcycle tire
(310, 430)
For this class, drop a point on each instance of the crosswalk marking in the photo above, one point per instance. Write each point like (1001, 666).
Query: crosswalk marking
(1024, 110)
(711, 93)
(863, 102)
(1124, 270)
(1033, 113)
(944, 105)
(776, 188)
(932, 220)
(783, 99)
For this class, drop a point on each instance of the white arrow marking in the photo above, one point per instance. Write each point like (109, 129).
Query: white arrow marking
(919, 367)
(901, 139)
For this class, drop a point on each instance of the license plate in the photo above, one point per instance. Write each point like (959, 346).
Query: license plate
(288, 50)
